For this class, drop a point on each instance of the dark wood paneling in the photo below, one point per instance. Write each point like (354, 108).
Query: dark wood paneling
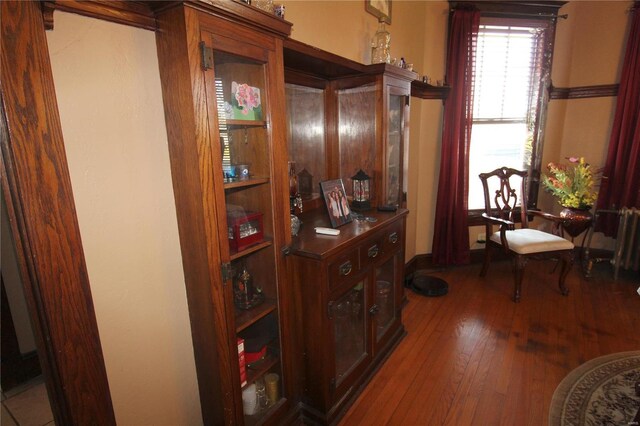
(306, 136)
(36, 182)
(357, 134)
(602, 90)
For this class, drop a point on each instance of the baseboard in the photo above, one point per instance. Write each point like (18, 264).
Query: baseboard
(425, 261)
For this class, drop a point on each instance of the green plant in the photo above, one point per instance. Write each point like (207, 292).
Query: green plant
(572, 184)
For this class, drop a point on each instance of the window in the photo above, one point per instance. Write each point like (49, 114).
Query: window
(511, 74)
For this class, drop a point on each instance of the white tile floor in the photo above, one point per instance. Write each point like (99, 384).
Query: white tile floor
(27, 405)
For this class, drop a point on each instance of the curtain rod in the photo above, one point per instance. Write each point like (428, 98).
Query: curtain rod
(531, 15)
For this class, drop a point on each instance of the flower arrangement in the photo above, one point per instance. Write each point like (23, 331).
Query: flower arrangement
(572, 184)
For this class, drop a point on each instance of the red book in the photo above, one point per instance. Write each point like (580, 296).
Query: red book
(243, 366)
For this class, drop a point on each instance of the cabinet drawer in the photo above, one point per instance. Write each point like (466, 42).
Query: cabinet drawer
(393, 238)
(372, 250)
(343, 268)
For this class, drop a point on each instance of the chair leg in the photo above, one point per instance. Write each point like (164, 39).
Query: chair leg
(487, 260)
(567, 262)
(519, 263)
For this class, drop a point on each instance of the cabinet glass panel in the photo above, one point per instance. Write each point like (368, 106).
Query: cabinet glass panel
(306, 137)
(349, 333)
(394, 149)
(357, 133)
(384, 298)
(242, 107)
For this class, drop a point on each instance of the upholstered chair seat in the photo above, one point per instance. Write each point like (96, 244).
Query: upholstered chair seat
(526, 241)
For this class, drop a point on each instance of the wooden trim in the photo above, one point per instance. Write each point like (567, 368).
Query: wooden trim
(533, 9)
(133, 13)
(142, 14)
(236, 11)
(599, 91)
(426, 91)
(37, 186)
(313, 61)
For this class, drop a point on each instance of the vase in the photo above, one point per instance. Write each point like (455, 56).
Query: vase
(575, 221)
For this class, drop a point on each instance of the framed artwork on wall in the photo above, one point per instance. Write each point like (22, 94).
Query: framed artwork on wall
(335, 199)
(381, 9)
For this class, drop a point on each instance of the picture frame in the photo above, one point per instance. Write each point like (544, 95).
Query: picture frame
(381, 9)
(335, 198)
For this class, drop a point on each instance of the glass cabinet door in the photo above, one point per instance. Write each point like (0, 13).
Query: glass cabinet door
(347, 314)
(394, 149)
(242, 104)
(384, 299)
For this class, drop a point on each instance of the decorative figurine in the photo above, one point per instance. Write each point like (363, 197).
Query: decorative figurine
(295, 199)
(381, 45)
(246, 296)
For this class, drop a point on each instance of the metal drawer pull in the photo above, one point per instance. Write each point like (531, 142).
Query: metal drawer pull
(345, 268)
(373, 251)
(374, 309)
(393, 237)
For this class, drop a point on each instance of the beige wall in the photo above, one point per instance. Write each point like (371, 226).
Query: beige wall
(110, 101)
(589, 51)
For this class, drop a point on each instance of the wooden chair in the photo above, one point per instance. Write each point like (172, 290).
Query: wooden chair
(503, 208)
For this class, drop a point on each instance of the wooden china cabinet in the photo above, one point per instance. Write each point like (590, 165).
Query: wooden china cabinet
(343, 116)
(223, 88)
(351, 306)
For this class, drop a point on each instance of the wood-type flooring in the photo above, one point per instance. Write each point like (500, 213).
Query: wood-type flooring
(474, 357)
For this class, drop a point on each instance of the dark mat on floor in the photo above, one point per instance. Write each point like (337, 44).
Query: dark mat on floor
(422, 283)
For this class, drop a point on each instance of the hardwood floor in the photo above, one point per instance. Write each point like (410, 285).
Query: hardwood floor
(473, 357)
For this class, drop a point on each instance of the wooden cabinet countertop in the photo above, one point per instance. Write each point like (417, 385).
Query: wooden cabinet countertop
(319, 246)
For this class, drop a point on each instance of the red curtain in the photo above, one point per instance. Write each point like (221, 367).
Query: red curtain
(451, 236)
(620, 185)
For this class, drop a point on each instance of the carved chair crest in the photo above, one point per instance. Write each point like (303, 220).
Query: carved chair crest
(504, 191)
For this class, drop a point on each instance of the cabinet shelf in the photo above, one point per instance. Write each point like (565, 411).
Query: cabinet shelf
(260, 417)
(254, 373)
(246, 318)
(246, 183)
(248, 251)
(239, 124)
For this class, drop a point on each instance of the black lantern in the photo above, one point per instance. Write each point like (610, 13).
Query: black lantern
(361, 191)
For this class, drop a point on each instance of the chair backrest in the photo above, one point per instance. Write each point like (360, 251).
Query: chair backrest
(505, 194)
